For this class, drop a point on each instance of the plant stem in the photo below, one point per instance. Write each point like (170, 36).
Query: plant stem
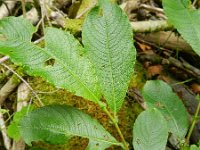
(117, 127)
(23, 8)
(193, 122)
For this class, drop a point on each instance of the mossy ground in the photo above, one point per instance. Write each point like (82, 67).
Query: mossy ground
(127, 114)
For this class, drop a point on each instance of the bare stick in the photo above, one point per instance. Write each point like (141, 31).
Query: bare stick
(150, 26)
(23, 8)
(194, 2)
(34, 93)
(4, 59)
(152, 8)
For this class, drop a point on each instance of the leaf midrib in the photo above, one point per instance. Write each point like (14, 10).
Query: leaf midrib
(46, 50)
(111, 65)
(71, 133)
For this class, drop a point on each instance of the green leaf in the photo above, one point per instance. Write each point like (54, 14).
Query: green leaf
(13, 129)
(194, 147)
(96, 145)
(61, 62)
(108, 39)
(17, 28)
(150, 131)
(158, 94)
(61, 122)
(186, 20)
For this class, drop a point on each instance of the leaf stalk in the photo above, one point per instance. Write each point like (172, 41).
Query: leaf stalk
(194, 120)
(117, 127)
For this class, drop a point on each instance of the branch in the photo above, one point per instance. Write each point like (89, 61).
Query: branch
(151, 26)
(165, 39)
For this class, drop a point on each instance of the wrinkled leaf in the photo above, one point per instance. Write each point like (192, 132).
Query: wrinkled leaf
(108, 39)
(61, 62)
(150, 131)
(158, 94)
(185, 19)
(62, 122)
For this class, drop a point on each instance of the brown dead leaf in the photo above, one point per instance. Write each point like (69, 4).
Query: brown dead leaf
(154, 70)
(195, 88)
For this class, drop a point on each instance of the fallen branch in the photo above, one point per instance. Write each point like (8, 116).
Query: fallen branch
(150, 26)
(165, 39)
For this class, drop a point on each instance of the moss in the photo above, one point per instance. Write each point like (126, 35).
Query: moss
(139, 77)
(127, 114)
(74, 26)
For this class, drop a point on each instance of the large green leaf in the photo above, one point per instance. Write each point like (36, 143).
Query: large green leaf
(158, 94)
(150, 131)
(62, 62)
(56, 123)
(185, 19)
(108, 39)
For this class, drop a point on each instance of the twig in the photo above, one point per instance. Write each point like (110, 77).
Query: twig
(23, 8)
(38, 40)
(4, 59)
(151, 26)
(158, 39)
(34, 93)
(152, 9)
(194, 2)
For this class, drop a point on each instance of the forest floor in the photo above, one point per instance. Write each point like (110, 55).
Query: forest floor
(161, 55)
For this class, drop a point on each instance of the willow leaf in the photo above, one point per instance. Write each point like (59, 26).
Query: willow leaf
(108, 39)
(61, 62)
(150, 131)
(185, 19)
(61, 122)
(158, 94)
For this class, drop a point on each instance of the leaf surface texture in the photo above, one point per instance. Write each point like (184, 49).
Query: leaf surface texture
(158, 94)
(108, 39)
(61, 62)
(150, 131)
(62, 122)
